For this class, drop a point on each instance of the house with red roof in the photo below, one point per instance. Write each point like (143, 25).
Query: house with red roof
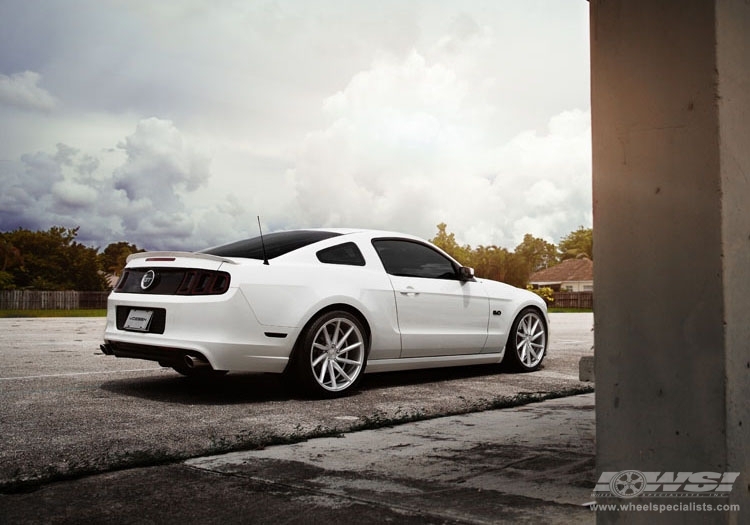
(571, 275)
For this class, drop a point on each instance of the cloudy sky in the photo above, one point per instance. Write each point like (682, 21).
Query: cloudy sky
(173, 124)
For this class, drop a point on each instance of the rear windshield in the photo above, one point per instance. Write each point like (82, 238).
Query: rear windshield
(277, 244)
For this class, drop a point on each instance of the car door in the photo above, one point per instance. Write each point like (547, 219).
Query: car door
(439, 314)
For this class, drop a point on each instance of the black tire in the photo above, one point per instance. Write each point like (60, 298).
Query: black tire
(527, 341)
(331, 355)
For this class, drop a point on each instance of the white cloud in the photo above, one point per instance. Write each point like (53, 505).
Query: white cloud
(74, 194)
(21, 90)
(143, 200)
(174, 126)
(408, 145)
(160, 161)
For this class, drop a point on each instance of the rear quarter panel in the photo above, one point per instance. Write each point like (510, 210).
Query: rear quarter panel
(291, 294)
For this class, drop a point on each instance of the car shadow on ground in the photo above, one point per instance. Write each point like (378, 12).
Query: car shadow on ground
(171, 387)
(240, 388)
(430, 375)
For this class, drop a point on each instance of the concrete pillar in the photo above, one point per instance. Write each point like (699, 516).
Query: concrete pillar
(671, 169)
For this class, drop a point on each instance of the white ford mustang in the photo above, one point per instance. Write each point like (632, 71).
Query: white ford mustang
(323, 305)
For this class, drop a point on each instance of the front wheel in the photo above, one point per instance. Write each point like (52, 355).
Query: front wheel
(332, 354)
(527, 341)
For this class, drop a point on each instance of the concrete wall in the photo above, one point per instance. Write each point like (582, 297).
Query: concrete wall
(671, 161)
(733, 36)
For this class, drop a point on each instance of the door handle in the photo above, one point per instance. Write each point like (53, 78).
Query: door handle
(409, 292)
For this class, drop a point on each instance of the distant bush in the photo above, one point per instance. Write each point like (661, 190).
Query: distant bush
(545, 292)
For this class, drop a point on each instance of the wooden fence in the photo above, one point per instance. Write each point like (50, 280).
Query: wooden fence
(573, 300)
(36, 300)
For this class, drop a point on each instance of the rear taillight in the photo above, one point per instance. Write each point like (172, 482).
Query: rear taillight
(173, 281)
(121, 281)
(203, 282)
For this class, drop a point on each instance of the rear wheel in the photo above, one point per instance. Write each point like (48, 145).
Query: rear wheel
(527, 342)
(332, 354)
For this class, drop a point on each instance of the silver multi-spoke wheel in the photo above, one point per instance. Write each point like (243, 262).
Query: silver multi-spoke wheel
(338, 353)
(334, 353)
(527, 344)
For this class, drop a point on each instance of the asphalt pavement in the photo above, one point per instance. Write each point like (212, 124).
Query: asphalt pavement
(527, 464)
(88, 438)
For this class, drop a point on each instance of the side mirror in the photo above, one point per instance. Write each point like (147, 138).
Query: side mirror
(465, 273)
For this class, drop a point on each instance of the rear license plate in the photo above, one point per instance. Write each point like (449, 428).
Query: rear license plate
(138, 320)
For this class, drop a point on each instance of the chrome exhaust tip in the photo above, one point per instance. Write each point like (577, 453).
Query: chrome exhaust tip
(196, 362)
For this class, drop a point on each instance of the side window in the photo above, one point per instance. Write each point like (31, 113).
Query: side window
(346, 253)
(413, 259)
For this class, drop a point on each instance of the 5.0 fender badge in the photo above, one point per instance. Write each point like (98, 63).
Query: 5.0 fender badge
(148, 280)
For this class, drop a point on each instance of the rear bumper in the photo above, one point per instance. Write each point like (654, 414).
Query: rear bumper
(223, 330)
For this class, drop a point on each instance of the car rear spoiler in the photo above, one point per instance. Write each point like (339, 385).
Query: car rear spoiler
(173, 255)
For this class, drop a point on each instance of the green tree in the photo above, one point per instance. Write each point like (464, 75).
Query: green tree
(6, 281)
(112, 260)
(53, 260)
(517, 272)
(10, 257)
(578, 243)
(490, 262)
(447, 242)
(499, 264)
(538, 253)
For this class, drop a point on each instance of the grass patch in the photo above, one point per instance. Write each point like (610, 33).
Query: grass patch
(54, 313)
